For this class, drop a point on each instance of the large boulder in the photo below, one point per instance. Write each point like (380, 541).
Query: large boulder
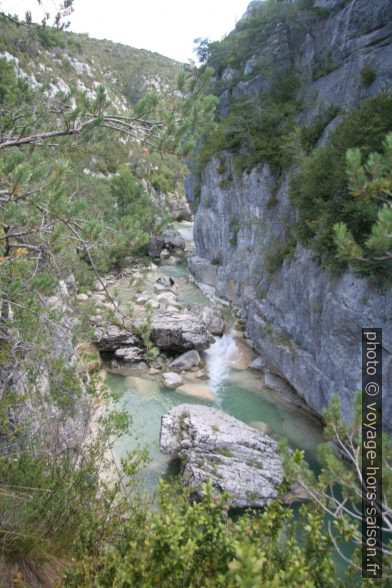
(165, 282)
(178, 331)
(172, 380)
(213, 320)
(167, 298)
(187, 360)
(110, 338)
(170, 239)
(129, 354)
(215, 446)
(211, 317)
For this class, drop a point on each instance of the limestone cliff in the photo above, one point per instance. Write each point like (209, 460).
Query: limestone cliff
(304, 322)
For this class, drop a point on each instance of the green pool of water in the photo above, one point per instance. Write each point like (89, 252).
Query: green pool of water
(240, 394)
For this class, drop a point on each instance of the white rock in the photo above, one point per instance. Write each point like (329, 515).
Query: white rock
(164, 254)
(187, 360)
(217, 447)
(258, 363)
(129, 354)
(172, 380)
(82, 297)
(154, 304)
(142, 300)
(167, 298)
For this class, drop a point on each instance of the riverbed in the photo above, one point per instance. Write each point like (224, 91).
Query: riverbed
(235, 388)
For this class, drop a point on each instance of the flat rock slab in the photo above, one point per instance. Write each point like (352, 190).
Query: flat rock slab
(196, 390)
(129, 354)
(179, 331)
(111, 338)
(215, 446)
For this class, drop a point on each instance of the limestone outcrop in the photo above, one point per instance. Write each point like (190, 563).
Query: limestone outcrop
(214, 446)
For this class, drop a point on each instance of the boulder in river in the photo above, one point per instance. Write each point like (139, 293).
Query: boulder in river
(172, 380)
(187, 360)
(215, 446)
(258, 363)
(170, 239)
(111, 338)
(213, 320)
(166, 282)
(129, 354)
(179, 331)
(211, 317)
(167, 298)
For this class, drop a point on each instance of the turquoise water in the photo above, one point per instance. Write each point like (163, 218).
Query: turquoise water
(239, 392)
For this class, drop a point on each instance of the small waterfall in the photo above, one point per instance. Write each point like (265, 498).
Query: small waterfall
(219, 359)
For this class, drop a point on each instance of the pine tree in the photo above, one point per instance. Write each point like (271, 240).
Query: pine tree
(370, 183)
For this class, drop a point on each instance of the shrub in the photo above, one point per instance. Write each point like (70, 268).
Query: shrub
(277, 254)
(368, 75)
(196, 543)
(320, 189)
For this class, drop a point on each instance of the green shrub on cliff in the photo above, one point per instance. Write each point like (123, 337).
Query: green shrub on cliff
(369, 182)
(321, 190)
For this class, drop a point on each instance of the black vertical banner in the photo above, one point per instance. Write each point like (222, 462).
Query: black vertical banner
(372, 453)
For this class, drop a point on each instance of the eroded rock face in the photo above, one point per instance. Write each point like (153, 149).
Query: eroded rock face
(129, 354)
(179, 331)
(215, 446)
(304, 322)
(36, 415)
(173, 203)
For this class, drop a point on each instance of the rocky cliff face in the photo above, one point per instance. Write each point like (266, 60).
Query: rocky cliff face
(56, 424)
(305, 323)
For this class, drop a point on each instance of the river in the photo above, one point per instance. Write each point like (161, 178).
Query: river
(236, 389)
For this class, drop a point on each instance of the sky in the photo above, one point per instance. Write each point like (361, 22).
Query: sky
(168, 27)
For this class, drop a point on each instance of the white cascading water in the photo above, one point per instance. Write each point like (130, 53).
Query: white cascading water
(219, 357)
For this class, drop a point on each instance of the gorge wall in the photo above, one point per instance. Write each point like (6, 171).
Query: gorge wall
(304, 321)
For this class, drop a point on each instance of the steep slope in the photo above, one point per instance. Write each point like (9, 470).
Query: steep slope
(62, 62)
(299, 67)
(42, 386)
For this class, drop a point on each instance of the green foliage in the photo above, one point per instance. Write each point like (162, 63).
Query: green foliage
(49, 501)
(144, 332)
(49, 37)
(187, 543)
(309, 135)
(277, 254)
(368, 75)
(323, 191)
(369, 182)
(337, 488)
(257, 127)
